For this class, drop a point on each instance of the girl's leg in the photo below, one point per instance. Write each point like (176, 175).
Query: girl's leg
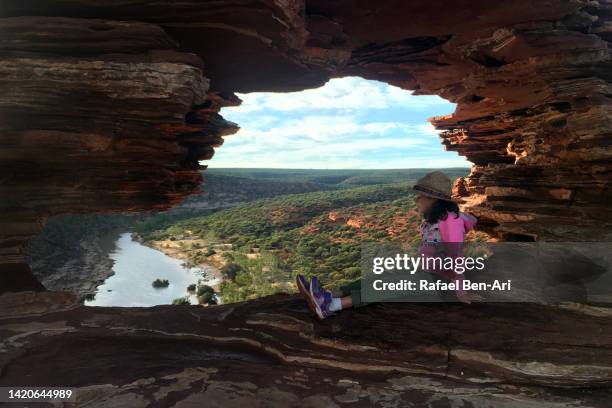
(351, 295)
(339, 303)
(323, 302)
(346, 302)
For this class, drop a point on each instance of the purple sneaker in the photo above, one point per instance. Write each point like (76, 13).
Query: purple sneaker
(321, 299)
(304, 289)
(302, 285)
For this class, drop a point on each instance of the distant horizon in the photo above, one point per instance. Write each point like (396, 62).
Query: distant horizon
(339, 168)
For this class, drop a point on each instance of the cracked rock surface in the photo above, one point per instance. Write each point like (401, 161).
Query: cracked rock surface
(271, 352)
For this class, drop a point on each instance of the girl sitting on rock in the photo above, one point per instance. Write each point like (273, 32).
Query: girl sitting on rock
(442, 222)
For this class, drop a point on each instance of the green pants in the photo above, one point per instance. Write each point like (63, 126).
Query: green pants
(353, 290)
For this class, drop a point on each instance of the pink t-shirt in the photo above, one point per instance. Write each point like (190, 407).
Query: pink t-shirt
(453, 230)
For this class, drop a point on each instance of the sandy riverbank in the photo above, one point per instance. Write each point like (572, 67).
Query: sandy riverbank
(187, 249)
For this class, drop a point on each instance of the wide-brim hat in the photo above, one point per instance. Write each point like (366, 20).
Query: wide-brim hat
(435, 185)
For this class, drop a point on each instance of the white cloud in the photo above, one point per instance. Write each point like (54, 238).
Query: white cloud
(427, 129)
(349, 93)
(348, 123)
(331, 130)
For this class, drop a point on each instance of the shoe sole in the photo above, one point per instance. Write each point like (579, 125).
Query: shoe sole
(301, 286)
(312, 305)
(315, 305)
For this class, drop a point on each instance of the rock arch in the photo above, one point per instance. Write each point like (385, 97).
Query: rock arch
(108, 105)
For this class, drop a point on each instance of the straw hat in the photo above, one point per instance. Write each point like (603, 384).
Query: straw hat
(435, 184)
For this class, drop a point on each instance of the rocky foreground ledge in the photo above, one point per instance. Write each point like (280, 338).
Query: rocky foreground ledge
(271, 353)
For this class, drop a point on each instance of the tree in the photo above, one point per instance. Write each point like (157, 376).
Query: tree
(206, 295)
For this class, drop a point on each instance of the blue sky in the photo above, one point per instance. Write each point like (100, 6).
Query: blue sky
(348, 123)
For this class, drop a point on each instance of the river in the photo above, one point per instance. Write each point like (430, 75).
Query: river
(136, 267)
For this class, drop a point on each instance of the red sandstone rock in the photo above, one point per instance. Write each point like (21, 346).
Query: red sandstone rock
(354, 222)
(214, 355)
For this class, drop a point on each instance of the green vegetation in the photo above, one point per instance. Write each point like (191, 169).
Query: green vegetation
(230, 270)
(331, 177)
(181, 301)
(261, 220)
(206, 295)
(312, 233)
(158, 283)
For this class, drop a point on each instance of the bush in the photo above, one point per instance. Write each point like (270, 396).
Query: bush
(181, 301)
(191, 288)
(202, 289)
(230, 270)
(206, 295)
(207, 299)
(210, 252)
(158, 283)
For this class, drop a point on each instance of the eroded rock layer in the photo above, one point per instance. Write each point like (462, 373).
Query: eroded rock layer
(533, 111)
(270, 352)
(100, 116)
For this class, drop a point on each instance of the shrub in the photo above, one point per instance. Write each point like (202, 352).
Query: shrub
(181, 301)
(230, 270)
(158, 283)
(206, 295)
(202, 289)
(191, 288)
(207, 299)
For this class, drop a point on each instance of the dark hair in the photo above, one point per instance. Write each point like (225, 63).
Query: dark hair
(439, 209)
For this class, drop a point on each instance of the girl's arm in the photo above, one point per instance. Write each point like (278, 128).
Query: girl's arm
(452, 232)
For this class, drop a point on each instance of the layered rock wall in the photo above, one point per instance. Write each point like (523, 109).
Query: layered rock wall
(98, 116)
(533, 111)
